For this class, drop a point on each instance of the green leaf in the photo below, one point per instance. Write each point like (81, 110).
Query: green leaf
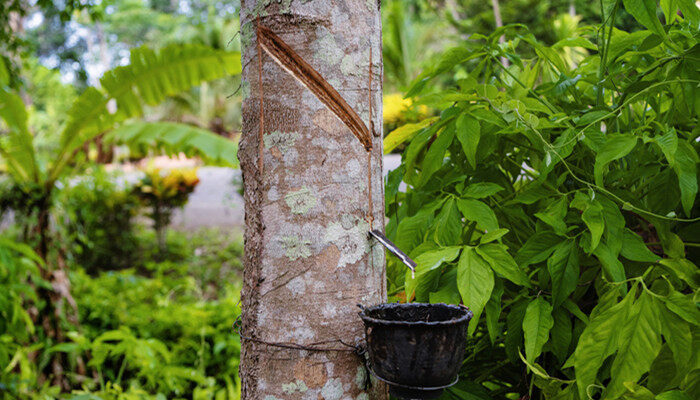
(493, 235)
(405, 133)
(17, 146)
(493, 310)
(537, 248)
(599, 340)
(683, 306)
(176, 138)
(475, 210)
(663, 371)
(644, 11)
(677, 334)
(427, 265)
(448, 224)
(149, 79)
(669, 7)
(634, 248)
(411, 230)
(614, 224)
(685, 166)
(554, 215)
(446, 61)
(563, 267)
(561, 333)
(497, 256)
(691, 12)
(616, 147)
(481, 190)
(468, 134)
(684, 269)
(475, 281)
(672, 395)
(536, 326)
(435, 155)
(639, 343)
(448, 292)
(514, 329)
(614, 270)
(668, 143)
(4, 74)
(593, 217)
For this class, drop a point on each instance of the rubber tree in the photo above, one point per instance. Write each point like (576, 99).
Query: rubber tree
(308, 258)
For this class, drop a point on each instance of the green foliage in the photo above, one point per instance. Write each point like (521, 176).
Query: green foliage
(98, 225)
(558, 200)
(176, 138)
(19, 277)
(163, 331)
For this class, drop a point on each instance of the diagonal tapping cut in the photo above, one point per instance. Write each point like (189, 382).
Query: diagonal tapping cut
(291, 62)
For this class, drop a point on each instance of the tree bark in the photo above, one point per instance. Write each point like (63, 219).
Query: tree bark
(308, 258)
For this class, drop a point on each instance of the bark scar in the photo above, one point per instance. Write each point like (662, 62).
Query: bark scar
(297, 67)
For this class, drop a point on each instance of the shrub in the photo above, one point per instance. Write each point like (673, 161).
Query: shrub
(162, 192)
(98, 216)
(558, 201)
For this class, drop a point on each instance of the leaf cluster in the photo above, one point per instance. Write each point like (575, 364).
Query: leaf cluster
(558, 200)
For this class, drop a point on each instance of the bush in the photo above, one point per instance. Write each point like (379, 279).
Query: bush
(166, 334)
(98, 216)
(558, 201)
(162, 192)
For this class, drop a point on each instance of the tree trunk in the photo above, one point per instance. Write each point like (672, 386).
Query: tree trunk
(308, 258)
(499, 23)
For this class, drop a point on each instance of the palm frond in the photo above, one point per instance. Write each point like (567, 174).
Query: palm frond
(148, 79)
(173, 138)
(16, 146)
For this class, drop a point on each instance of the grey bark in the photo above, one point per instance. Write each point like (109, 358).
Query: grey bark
(308, 259)
(499, 23)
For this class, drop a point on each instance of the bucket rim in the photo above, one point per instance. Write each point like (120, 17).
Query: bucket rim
(465, 317)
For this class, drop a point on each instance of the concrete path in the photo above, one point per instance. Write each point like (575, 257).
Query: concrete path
(216, 202)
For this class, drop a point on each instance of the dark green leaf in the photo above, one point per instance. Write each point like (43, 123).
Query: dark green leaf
(561, 333)
(554, 215)
(501, 262)
(616, 147)
(563, 267)
(427, 270)
(634, 248)
(481, 190)
(537, 248)
(475, 210)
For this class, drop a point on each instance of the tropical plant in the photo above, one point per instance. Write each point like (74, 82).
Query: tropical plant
(19, 275)
(558, 201)
(162, 192)
(166, 334)
(96, 213)
(149, 79)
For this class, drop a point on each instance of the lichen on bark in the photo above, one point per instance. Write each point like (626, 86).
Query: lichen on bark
(307, 253)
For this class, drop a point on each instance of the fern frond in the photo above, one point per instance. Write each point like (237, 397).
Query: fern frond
(149, 79)
(174, 138)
